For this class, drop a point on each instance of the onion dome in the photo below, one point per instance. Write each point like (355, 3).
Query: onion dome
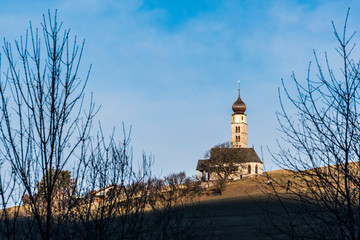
(239, 106)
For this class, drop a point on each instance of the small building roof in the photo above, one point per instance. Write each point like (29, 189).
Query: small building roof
(202, 164)
(103, 190)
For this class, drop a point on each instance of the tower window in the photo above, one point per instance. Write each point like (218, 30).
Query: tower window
(242, 117)
(238, 138)
(249, 169)
(256, 169)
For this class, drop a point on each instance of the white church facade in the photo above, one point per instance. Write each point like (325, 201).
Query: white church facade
(244, 161)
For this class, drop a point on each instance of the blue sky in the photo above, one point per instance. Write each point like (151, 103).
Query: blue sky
(170, 68)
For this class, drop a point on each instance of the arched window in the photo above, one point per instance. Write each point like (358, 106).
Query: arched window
(256, 169)
(249, 169)
(242, 117)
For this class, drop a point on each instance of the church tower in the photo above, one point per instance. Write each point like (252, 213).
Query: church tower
(238, 124)
(245, 159)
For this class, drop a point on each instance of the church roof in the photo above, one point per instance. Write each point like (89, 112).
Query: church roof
(235, 155)
(239, 155)
(239, 106)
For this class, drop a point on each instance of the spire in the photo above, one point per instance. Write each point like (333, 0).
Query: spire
(239, 106)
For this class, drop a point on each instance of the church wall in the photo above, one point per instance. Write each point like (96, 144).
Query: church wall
(242, 172)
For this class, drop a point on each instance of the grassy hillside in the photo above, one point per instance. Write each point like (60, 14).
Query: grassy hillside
(241, 212)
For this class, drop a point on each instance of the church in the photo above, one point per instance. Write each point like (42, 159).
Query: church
(235, 162)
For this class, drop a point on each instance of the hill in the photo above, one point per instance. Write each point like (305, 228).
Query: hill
(241, 212)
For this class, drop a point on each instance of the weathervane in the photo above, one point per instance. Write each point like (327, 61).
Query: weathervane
(239, 86)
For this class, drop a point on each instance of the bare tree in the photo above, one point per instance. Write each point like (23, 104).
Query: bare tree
(222, 162)
(57, 181)
(223, 165)
(43, 122)
(117, 193)
(176, 213)
(322, 148)
(10, 200)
